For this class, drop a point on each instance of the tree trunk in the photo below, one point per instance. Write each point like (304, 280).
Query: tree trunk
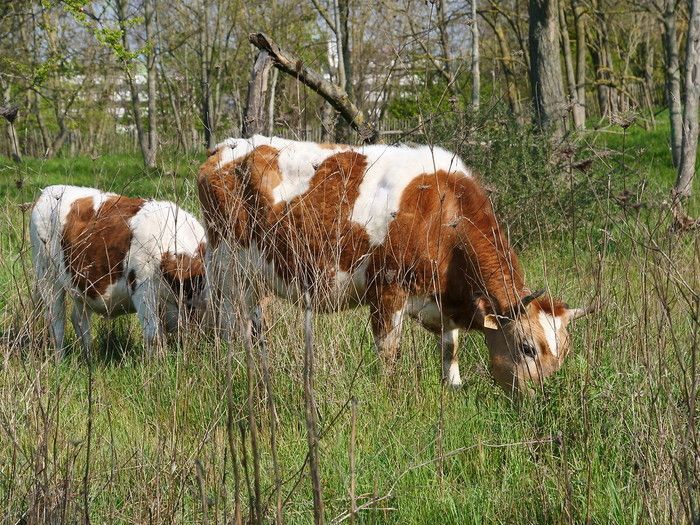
(580, 102)
(673, 80)
(545, 68)
(686, 169)
(150, 155)
(344, 10)
(254, 119)
(205, 77)
(448, 66)
(342, 44)
(476, 77)
(648, 84)
(133, 88)
(570, 74)
(512, 94)
(271, 103)
(9, 113)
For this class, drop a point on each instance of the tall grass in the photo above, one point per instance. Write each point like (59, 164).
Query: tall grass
(611, 438)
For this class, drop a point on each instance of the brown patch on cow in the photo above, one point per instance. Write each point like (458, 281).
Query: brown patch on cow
(95, 244)
(313, 234)
(235, 197)
(446, 242)
(550, 306)
(184, 273)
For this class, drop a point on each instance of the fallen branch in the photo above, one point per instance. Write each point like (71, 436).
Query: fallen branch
(336, 97)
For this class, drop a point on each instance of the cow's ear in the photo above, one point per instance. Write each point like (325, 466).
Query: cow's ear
(490, 322)
(495, 322)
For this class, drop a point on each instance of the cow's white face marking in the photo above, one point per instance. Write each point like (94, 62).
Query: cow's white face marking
(550, 326)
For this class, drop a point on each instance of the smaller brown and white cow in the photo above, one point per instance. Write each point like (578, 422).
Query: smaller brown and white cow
(114, 255)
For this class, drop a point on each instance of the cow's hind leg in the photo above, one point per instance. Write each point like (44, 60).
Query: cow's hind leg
(53, 299)
(387, 311)
(448, 342)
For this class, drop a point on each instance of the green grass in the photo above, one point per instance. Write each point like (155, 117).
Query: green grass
(608, 440)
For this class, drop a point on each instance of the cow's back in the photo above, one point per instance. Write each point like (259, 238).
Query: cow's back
(316, 221)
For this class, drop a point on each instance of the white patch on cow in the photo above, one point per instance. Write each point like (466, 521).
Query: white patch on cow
(297, 163)
(389, 171)
(392, 338)
(550, 325)
(226, 156)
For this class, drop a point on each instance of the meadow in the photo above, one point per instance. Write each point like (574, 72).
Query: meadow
(612, 438)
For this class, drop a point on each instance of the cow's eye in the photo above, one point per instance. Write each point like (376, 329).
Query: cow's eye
(528, 349)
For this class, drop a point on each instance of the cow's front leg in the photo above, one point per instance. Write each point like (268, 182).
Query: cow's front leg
(387, 310)
(145, 300)
(448, 343)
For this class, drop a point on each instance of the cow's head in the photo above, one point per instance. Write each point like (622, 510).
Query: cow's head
(528, 342)
(184, 274)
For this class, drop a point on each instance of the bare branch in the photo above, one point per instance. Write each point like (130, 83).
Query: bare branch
(336, 97)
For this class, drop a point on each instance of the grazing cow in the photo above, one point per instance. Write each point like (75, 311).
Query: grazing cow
(405, 230)
(114, 255)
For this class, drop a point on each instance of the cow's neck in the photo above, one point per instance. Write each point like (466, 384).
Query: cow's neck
(494, 268)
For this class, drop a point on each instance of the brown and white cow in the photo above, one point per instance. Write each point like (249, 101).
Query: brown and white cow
(114, 255)
(405, 230)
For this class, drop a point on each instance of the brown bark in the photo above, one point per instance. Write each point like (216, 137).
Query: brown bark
(545, 67)
(295, 67)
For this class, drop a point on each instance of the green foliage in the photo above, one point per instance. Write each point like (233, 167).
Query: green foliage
(111, 37)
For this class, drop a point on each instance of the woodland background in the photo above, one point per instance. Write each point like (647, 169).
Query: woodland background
(580, 116)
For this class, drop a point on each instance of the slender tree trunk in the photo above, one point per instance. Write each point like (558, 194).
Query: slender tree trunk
(150, 156)
(271, 102)
(254, 119)
(512, 94)
(648, 84)
(686, 169)
(205, 77)
(344, 20)
(174, 107)
(673, 80)
(133, 87)
(569, 65)
(9, 113)
(580, 102)
(341, 12)
(476, 77)
(448, 66)
(545, 67)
